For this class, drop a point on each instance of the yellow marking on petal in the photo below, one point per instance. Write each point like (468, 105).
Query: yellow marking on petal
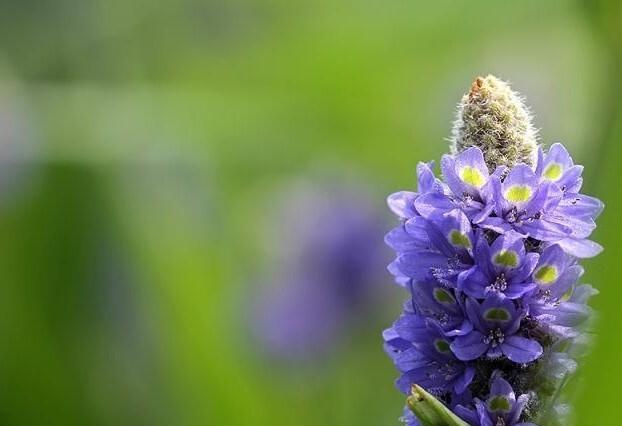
(472, 176)
(518, 193)
(442, 346)
(459, 239)
(443, 296)
(499, 403)
(546, 274)
(497, 314)
(567, 295)
(507, 258)
(553, 172)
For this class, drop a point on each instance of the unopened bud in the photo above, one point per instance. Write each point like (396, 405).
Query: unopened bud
(494, 118)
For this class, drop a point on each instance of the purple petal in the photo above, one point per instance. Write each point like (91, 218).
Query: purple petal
(572, 180)
(583, 206)
(582, 249)
(521, 350)
(484, 419)
(514, 291)
(464, 380)
(465, 328)
(496, 224)
(500, 387)
(425, 177)
(403, 204)
(543, 230)
(473, 282)
(433, 203)
(583, 293)
(419, 264)
(483, 213)
(448, 170)
(400, 241)
(469, 347)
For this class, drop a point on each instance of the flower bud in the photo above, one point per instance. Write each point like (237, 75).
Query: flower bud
(430, 411)
(494, 118)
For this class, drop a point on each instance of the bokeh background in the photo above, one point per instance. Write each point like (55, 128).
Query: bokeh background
(192, 195)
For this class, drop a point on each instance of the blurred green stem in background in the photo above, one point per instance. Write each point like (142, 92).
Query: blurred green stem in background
(602, 370)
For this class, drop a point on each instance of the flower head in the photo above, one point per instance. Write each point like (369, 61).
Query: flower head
(490, 256)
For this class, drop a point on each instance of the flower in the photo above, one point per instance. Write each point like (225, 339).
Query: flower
(503, 267)
(496, 323)
(421, 350)
(502, 407)
(326, 273)
(440, 247)
(490, 257)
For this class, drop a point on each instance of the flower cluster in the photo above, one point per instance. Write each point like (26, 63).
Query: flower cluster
(316, 287)
(490, 258)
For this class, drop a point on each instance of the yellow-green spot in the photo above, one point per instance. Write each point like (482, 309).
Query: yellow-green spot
(518, 193)
(567, 295)
(442, 346)
(546, 274)
(497, 314)
(472, 176)
(443, 296)
(499, 403)
(459, 239)
(507, 258)
(553, 171)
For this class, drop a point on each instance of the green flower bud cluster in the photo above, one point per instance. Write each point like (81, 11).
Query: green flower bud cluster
(492, 117)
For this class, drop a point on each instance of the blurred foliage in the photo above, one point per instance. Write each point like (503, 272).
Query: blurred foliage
(158, 131)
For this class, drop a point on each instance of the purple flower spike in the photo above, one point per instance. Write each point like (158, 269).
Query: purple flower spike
(490, 257)
(325, 275)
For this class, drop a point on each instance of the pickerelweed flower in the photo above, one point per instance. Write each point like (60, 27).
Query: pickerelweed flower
(490, 256)
(326, 272)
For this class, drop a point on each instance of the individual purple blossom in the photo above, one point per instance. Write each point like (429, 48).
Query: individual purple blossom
(402, 203)
(440, 247)
(468, 186)
(421, 351)
(543, 209)
(496, 323)
(438, 304)
(502, 267)
(501, 408)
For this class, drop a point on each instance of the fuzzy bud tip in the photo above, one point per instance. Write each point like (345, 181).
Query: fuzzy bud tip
(492, 117)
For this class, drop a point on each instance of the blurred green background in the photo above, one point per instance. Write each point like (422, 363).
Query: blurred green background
(142, 145)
